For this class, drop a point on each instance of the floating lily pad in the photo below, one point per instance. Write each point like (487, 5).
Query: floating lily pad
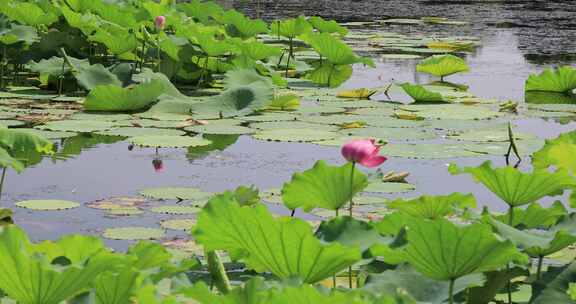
(115, 203)
(369, 200)
(85, 126)
(169, 141)
(47, 205)
(11, 123)
(50, 134)
(391, 133)
(173, 193)
(451, 111)
(270, 117)
(133, 233)
(490, 135)
(351, 104)
(400, 56)
(463, 125)
(332, 119)
(178, 224)
(176, 210)
(381, 111)
(164, 116)
(219, 129)
(295, 135)
(427, 151)
(129, 211)
(379, 187)
(269, 125)
(134, 131)
(100, 117)
(320, 110)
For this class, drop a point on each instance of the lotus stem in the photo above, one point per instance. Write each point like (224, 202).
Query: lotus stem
(143, 55)
(293, 212)
(351, 215)
(217, 271)
(2, 180)
(290, 54)
(4, 67)
(451, 291)
(539, 267)
(158, 53)
(509, 284)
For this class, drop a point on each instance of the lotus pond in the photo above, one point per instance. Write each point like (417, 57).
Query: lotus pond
(162, 152)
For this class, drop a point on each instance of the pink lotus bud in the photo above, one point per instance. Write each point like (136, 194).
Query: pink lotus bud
(160, 21)
(364, 152)
(158, 165)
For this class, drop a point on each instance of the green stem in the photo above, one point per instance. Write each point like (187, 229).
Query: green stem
(290, 54)
(351, 214)
(509, 284)
(2, 180)
(451, 291)
(217, 271)
(539, 268)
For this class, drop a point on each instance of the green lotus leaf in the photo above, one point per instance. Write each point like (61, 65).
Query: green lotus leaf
(330, 75)
(490, 135)
(350, 232)
(237, 101)
(286, 247)
(290, 28)
(169, 141)
(147, 75)
(444, 251)
(433, 207)
(8, 161)
(549, 98)
(267, 117)
(19, 33)
(536, 243)
(275, 125)
(557, 152)
(89, 75)
(333, 50)
(175, 193)
(387, 134)
(29, 277)
(285, 103)
(116, 287)
(46, 205)
(535, 216)
(133, 233)
(20, 148)
(117, 39)
(29, 13)
(450, 111)
(516, 188)
(202, 11)
(114, 98)
(86, 126)
(560, 80)
(421, 288)
(327, 26)
(175, 210)
(555, 286)
(55, 66)
(256, 50)
(323, 186)
(242, 26)
(420, 94)
(211, 46)
(295, 135)
(442, 65)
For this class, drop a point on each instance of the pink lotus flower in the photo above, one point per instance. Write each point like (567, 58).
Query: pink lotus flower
(160, 21)
(364, 152)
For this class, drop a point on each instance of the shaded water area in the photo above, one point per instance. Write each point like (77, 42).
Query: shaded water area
(517, 38)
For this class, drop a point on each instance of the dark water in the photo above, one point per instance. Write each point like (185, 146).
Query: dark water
(498, 70)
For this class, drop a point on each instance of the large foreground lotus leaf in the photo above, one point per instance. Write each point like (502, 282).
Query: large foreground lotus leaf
(29, 277)
(237, 101)
(442, 65)
(555, 286)
(536, 243)
(549, 98)
(334, 50)
(421, 288)
(255, 292)
(445, 251)
(8, 161)
(433, 207)
(558, 152)
(421, 94)
(286, 246)
(28, 13)
(323, 186)
(115, 98)
(516, 188)
(561, 80)
(535, 216)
